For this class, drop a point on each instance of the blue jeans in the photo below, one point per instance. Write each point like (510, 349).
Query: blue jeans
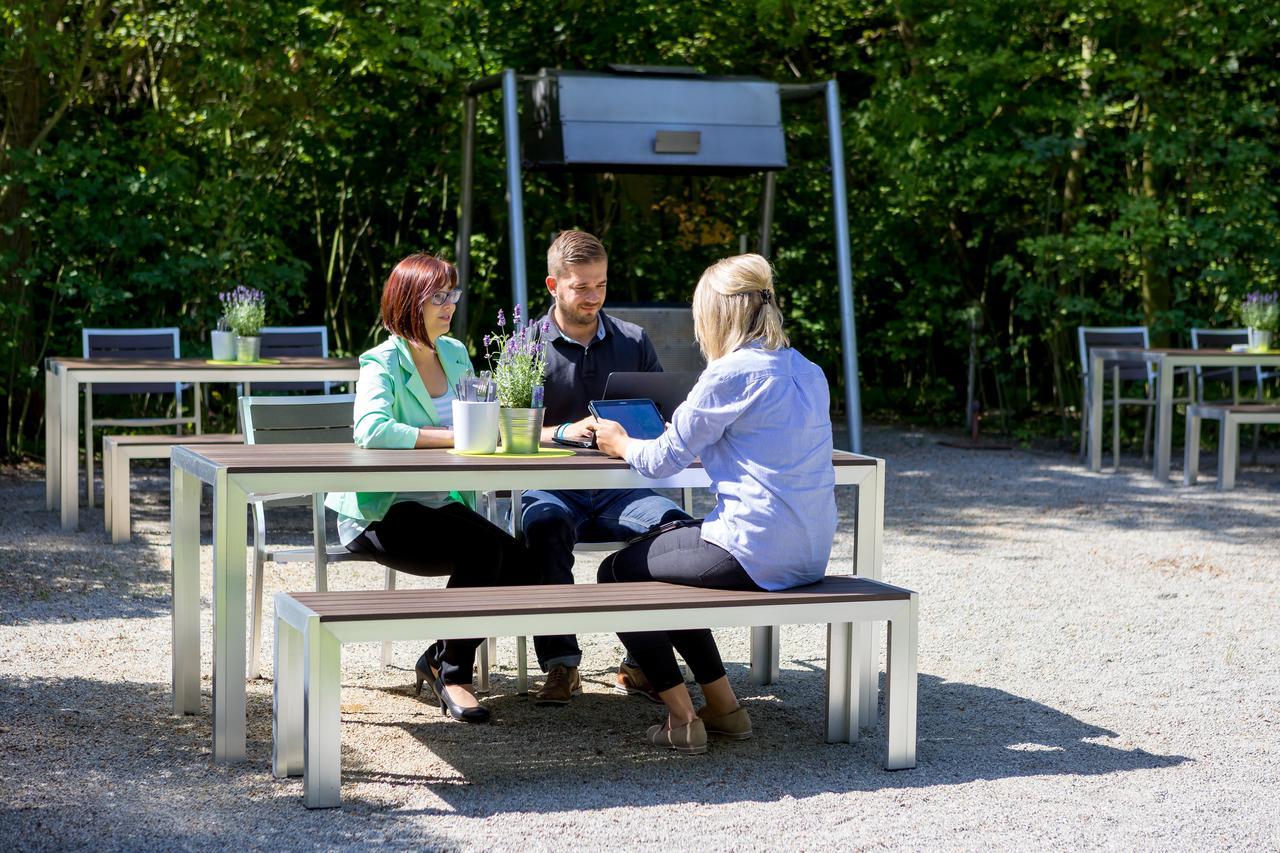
(554, 522)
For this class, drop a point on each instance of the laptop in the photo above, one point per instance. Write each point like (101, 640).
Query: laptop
(666, 390)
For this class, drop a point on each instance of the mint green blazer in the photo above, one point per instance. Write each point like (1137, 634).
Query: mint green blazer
(391, 404)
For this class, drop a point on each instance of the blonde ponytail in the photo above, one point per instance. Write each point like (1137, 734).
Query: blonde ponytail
(735, 304)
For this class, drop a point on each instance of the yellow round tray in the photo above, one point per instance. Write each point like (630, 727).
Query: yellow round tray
(544, 453)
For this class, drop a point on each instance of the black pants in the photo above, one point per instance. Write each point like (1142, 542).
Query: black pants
(677, 556)
(450, 540)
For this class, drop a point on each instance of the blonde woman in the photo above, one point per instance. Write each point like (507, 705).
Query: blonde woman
(759, 419)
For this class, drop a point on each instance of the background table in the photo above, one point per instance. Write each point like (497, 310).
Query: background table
(238, 471)
(64, 376)
(1166, 361)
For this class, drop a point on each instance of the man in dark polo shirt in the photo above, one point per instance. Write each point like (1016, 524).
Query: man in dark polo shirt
(586, 345)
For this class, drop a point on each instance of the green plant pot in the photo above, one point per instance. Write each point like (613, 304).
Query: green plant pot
(520, 429)
(247, 348)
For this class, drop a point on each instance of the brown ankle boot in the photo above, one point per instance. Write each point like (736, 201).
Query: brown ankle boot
(735, 725)
(691, 738)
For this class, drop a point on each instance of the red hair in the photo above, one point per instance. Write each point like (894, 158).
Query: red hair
(408, 291)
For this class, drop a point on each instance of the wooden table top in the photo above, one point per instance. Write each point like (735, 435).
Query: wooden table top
(303, 458)
(576, 598)
(179, 364)
(1162, 351)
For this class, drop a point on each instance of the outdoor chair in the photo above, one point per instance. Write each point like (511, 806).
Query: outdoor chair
(1118, 372)
(671, 330)
(316, 419)
(1225, 339)
(158, 343)
(292, 341)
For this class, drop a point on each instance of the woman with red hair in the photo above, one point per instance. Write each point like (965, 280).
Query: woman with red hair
(404, 399)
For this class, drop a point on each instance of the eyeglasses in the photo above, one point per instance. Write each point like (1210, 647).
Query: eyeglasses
(440, 297)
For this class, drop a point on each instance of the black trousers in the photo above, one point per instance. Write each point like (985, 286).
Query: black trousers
(676, 556)
(450, 540)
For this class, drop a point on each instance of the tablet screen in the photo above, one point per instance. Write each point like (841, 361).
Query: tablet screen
(640, 418)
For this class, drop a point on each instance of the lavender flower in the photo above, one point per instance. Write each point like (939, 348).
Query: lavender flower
(518, 360)
(1261, 311)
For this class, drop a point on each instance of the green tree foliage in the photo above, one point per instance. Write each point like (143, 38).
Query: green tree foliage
(1049, 163)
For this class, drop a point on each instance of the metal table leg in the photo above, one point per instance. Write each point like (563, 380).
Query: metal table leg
(68, 459)
(184, 521)
(1095, 413)
(230, 504)
(1164, 420)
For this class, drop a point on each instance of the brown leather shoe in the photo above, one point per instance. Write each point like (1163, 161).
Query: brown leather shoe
(632, 681)
(562, 682)
(735, 725)
(691, 738)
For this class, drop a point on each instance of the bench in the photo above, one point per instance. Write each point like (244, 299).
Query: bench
(311, 628)
(120, 450)
(1230, 416)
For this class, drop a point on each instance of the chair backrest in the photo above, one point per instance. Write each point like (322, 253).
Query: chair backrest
(1115, 336)
(132, 344)
(671, 330)
(324, 419)
(1218, 338)
(289, 341)
(1221, 339)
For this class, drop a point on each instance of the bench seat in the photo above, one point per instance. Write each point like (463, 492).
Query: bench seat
(311, 628)
(118, 451)
(1230, 418)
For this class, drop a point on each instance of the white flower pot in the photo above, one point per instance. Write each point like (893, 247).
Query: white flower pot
(224, 345)
(475, 426)
(1259, 339)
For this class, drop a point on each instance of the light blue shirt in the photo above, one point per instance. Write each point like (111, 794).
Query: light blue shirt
(760, 421)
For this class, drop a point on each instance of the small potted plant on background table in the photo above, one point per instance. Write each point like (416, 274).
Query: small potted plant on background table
(519, 362)
(1260, 312)
(245, 311)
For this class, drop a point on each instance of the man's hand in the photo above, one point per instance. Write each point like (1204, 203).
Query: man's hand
(578, 430)
(610, 437)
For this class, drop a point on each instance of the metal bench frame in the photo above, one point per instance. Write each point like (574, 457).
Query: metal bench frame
(306, 723)
(1230, 418)
(118, 451)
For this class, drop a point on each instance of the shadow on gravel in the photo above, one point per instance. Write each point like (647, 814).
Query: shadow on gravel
(79, 579)
(590, 755)
(943, 495)
(119, 741)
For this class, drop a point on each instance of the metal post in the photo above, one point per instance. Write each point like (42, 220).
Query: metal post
(515, 200)
(463, 251)
(766, 211)
(844, 269)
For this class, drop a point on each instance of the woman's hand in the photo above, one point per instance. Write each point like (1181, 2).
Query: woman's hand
(610, 437)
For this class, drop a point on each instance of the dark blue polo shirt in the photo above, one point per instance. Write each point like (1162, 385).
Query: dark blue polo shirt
(577, 374)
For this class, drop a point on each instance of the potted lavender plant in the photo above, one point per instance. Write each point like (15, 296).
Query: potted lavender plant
(1260, 312)
(245, 311)
(519, 362)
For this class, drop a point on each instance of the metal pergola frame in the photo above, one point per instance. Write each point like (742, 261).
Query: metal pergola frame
(509, 81)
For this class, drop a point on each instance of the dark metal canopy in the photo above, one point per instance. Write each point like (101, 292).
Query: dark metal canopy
(641, 119)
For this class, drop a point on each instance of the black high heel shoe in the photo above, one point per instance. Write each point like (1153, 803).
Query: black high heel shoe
(426, 668)
(478, 714)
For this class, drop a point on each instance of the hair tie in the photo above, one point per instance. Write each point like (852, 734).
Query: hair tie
(766, 296)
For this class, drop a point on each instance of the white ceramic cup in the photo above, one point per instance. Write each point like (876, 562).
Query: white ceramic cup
(475, 426)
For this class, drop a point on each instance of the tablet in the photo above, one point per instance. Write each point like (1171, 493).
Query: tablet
(640, 418)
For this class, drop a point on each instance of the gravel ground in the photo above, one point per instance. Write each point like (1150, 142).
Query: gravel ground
(1099, 667)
